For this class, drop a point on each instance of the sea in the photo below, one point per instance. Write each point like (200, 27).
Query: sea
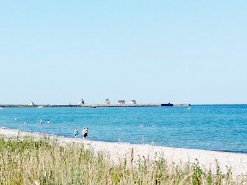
(208, 127)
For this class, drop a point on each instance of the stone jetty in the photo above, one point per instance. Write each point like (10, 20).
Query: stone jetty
(76, 105)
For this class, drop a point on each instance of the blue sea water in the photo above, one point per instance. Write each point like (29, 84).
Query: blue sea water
(210, 127)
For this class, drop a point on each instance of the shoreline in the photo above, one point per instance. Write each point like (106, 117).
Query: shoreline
(117, 152)
(122, 142)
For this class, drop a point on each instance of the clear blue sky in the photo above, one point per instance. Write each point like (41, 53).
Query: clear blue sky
(150, 50)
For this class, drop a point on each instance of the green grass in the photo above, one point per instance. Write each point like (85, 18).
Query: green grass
(45, 162)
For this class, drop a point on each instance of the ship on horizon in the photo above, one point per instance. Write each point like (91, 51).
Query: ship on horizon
(174, 105)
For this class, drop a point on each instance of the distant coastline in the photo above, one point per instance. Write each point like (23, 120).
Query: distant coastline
(84, 105)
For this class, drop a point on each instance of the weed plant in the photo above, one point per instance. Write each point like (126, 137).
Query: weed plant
(46, 162)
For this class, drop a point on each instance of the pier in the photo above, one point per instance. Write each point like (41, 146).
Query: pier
(76, 105)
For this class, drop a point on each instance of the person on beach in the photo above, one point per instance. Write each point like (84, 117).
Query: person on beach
(76, 133)
(84, 133)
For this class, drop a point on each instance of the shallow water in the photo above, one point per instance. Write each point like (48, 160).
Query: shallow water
(211, 127)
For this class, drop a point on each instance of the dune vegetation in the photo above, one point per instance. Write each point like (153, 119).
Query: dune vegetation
(44, 161)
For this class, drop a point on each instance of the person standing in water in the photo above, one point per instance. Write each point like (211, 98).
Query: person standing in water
(84, 133)
(76, 133)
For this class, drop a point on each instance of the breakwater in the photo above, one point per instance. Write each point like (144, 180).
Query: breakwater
(76, 105)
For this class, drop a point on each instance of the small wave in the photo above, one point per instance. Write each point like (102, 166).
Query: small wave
(141, 126)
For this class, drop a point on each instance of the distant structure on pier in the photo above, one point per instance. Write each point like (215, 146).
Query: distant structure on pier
(107, 101)
(32, 104)
(81, 102)
(121, 102)
(133, 102)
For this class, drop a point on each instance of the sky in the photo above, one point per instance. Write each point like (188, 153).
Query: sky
(154, 51)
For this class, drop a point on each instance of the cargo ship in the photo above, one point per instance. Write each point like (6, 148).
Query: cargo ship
(175, 105)
(167, 105)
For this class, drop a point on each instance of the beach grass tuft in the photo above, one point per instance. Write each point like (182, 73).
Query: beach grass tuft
(45, 161)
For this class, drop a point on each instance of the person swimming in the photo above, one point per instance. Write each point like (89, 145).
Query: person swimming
(84, 133)
(76, 133)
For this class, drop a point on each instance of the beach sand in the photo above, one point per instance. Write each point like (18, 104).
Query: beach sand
(117, 152)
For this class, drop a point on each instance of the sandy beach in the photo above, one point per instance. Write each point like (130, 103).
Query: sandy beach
(119, 151)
